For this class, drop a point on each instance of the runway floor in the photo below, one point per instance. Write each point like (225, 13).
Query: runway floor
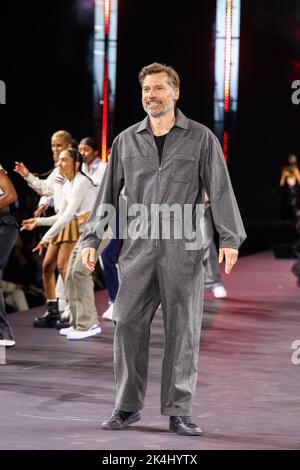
(55, 393)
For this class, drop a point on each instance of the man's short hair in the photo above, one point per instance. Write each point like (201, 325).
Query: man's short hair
(173, 76)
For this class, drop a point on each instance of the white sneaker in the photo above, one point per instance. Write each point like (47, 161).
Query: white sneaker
(82, 334)
(219, 292)
(108, 313)
(7, 342)
(66, 331)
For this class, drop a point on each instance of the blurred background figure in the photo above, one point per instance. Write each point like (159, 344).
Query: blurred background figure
(23, 269)
(14, 295)
(95, 169)
(289, 183)
(290, 208)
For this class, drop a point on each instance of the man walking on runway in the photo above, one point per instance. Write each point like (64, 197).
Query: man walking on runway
(166, 160)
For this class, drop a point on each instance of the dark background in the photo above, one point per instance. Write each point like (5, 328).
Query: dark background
(46, 61)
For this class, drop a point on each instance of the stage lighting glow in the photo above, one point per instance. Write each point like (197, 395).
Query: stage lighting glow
(225, 145)
(105, 83)
(105, 61)
(104, 113)
(106, 16)
(227, 66)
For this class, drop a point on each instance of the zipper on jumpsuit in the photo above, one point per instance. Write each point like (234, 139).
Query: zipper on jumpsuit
(158, 185)
(157, 213)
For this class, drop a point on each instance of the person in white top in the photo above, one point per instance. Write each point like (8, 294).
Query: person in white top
(92, 165)
(8, 237)
(52, 185)
(79, 193)
(95, 168)
(59, 251)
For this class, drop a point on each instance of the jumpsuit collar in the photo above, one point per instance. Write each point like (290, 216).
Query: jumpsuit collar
(180, 121)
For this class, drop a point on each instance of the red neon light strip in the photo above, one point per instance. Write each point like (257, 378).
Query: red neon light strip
(225, 145)
(104, 113)
(228, 43)
(105, 84)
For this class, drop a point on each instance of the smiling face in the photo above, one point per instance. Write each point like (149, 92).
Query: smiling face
(87, 152)
(158, 96)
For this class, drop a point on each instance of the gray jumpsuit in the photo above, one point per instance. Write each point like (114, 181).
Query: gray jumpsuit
(155, 271)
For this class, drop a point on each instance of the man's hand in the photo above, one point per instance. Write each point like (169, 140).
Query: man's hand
(88, 256)
(231, 256)
(21, 169)
(28, 224)
(40, 247)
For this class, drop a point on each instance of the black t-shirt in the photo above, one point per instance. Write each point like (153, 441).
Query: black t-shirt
(160, 141)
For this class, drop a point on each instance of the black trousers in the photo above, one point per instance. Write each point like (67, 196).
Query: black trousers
(8, 237)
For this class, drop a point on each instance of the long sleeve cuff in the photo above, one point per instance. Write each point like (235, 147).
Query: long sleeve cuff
(46, 239)
(90, 242)
(233, 245)
(29, 178)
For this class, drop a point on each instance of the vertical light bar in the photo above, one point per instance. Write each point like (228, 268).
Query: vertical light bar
(227, 59)
(106, 17)
(226, 67)
(105, 64)
(104, 113)
(98, 56)
(112, 67)
(225, 145)
(105, 82)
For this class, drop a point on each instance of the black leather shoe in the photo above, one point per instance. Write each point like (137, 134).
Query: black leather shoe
(46, 321)
(121, 419)
(184, 426)
(50, 318)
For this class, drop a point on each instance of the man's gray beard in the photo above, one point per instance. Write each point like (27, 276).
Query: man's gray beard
(164, 111)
